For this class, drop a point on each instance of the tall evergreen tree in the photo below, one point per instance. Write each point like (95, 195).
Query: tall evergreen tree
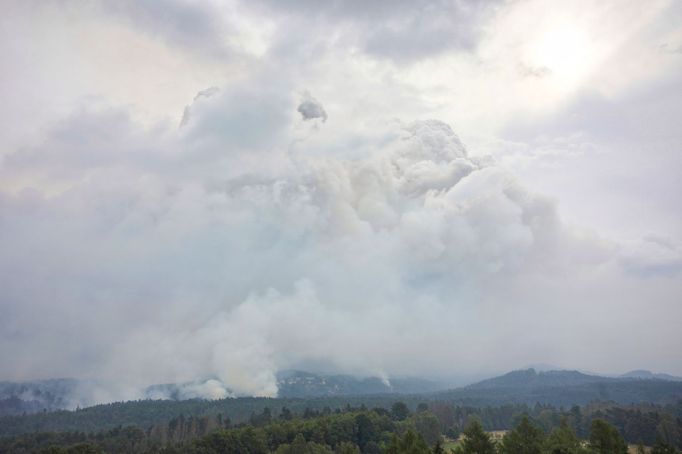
(661, 447)
(563, 440)
(476, 440)
(605, 439)
(525, 438)
(438, 448)
(399, 411)
(410, 443)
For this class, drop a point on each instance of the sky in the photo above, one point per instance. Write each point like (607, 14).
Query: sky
(222, 190)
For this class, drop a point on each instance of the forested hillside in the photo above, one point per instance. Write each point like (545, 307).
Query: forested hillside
(642, 411)
(555, 388)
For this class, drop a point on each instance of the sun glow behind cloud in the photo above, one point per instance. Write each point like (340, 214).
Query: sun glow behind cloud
(566, 51)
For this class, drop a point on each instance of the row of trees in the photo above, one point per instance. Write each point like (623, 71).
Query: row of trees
(527, 438)
(540, 429)
(399, 432)
(637, 423)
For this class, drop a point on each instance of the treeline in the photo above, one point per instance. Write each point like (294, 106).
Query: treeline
(395, 430)
(637, 423)
(146, 413)
(528, 438)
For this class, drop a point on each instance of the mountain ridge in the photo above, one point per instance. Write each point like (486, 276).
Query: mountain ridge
(648, 375)
(531, 377)
(561, 387)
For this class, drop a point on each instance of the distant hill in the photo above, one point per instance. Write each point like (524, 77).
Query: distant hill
(67, 393)
(301, 390)
(35, 396)
(564, 388)
(306, 384)
(528, 386)
(648, 375)
(530, 378)
(301, 384)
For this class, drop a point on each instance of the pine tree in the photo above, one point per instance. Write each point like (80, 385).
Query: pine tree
(476, 440)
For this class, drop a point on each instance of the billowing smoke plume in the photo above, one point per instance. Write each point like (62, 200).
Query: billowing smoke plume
(227, 250)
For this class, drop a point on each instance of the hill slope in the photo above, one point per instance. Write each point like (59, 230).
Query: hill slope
(306, 384)
(557, 388)
(648, 375)
(564, 388)
(530, 378)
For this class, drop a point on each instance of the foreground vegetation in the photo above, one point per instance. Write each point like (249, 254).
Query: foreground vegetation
(599, 429)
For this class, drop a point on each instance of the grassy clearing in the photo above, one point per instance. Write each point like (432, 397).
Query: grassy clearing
(449, 443)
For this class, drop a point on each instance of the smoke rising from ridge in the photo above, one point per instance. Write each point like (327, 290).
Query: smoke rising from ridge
(231, 251)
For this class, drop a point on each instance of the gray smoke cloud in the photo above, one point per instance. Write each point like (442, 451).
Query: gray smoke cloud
(220, 252)
(310, 108)
(206, 93)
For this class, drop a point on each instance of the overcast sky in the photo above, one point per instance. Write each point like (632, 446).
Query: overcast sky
(435, 188)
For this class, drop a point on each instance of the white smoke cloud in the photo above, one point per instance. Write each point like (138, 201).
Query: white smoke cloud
(230, 249)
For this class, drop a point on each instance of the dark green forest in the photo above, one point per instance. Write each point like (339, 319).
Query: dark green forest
(427, 427)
